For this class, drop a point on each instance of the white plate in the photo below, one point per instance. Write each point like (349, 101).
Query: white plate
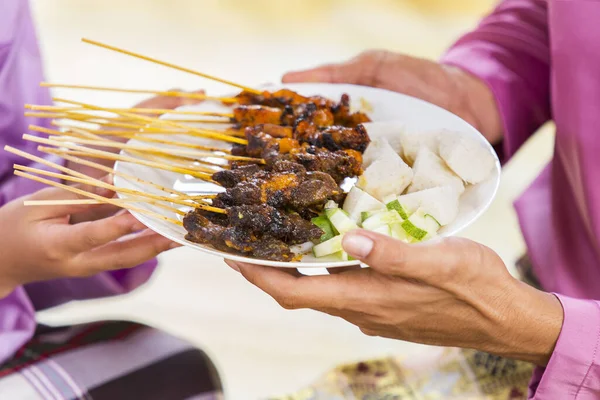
(384, 106)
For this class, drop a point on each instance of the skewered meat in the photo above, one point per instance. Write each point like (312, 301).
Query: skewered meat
(309, 145)
(255, 114)
(263, 145)
(339, 164)
(292, 190)
(254, 230)
(290, 228)
(338, 138)
(344, 117)
(282, 98)
(340, 112)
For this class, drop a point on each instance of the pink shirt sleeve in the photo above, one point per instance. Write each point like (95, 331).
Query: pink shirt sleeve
(574, 368)
(510, 51)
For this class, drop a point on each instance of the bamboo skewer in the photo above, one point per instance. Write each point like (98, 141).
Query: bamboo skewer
(81, 178)
(98, 119)
(96, 197)
(88, 152)
(75, 202)
(167, 64)
(104, 185)
(168, 93)
(202, 132)
(121, 200)
(159, 111)
(111, 171)
(131, 135)
(190, 163)
(178, 161)
(171, 152)
(145, 130)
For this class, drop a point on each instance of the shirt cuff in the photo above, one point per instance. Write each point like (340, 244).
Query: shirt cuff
(573, 368)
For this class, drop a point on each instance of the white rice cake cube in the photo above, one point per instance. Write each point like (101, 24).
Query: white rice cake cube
(387, 175)
(468, 158)
(412, 142)
(358, 201)
(430, 171)
(440, 202)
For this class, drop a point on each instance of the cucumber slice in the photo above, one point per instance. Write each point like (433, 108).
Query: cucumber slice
(331, 246)
(340, 220)
(323, 222)
(413, 230)
(396, 206)
(421, 226)
(381, 219)
(399, 233)
(433, 218)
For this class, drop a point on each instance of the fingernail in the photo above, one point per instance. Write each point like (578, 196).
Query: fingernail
(357, 245)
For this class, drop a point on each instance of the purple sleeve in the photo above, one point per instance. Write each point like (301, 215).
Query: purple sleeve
(17, 322)
(510, 52)
(574, 368)
(20, 75)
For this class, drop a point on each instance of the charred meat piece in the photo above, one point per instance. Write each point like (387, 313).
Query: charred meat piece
(286, 166)
(319, 117)
(340, 138)
(262, 144)
(293, 190)
(343, 116)
(290, 228)
(276, 131)
(269, 248)
(201, 230)
(315, 190)
(256, 115)
(238, 150)
(339, 164)
(281, 98)
(230, 177)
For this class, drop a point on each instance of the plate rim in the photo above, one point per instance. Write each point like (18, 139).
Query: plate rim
(315, 264)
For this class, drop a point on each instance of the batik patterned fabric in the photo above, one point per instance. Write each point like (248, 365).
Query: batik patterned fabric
(436, 373)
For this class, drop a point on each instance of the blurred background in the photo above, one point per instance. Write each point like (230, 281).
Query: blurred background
(260, 349)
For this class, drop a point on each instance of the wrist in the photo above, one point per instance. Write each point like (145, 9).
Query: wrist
(475, 103)
(530, 327)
